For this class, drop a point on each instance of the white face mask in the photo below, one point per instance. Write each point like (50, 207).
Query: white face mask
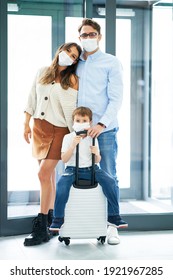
(80, 126)
(64, 59)
(89, 45)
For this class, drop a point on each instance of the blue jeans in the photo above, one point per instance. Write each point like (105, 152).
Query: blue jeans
(64, 184)
(108, 150)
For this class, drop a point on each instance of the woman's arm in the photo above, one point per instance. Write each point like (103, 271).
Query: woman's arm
(27, 129)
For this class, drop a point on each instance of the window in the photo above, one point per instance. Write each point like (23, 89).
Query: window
(27, 52)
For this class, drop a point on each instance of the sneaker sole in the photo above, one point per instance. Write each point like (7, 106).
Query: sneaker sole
(54, 229)
(120, 226)
(113, 243)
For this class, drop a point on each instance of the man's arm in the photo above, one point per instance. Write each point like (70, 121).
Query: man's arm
(114, 93)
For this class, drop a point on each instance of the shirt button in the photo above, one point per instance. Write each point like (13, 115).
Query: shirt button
(42, 113)
(46, 98)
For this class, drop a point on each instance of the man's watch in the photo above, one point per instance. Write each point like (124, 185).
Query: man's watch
(101, 124)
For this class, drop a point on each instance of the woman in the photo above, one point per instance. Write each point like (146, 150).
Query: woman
(50, 103)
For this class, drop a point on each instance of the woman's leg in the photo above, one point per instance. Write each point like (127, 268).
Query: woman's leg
(53, 179)
(46, 176)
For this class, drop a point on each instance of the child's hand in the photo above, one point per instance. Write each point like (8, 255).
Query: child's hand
(76, 141)
(94, 150)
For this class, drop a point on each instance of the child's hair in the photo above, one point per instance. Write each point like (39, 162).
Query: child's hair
(82, 111)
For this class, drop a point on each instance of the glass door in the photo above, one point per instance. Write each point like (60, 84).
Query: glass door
(145, 137)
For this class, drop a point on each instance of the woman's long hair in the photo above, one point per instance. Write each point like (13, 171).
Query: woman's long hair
(49, 74)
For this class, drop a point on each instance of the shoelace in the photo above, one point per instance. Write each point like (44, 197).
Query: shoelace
(36, 223)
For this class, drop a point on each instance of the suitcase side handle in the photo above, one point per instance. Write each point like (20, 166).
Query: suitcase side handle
(77, 162)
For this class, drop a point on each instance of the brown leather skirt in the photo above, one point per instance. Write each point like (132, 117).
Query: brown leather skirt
(47, 140)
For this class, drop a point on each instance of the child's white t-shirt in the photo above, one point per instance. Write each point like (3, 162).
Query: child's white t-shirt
(85, 155)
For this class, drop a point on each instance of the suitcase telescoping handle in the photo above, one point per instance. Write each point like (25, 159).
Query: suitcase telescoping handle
(78, 182)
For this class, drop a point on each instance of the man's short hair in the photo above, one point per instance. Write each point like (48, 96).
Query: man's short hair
(90, 22)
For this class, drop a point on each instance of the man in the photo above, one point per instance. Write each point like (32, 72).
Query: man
(101, 89)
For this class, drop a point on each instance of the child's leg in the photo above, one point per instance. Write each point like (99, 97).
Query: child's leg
(110, 190)
(62, 192)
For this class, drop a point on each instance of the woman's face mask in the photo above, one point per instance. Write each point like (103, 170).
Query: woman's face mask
(89, 45)
(64, 59)
(80, 126)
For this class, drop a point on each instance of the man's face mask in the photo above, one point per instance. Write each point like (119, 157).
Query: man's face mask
(89, 45)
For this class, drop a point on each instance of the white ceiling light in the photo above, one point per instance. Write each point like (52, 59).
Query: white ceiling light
(119, 12)
(13, 7)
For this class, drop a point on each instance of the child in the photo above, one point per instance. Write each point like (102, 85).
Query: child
(82, 118)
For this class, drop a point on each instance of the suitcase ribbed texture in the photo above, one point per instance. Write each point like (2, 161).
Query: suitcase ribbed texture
(85, 214)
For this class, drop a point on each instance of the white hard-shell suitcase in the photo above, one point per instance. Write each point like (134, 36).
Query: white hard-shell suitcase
(86, 210)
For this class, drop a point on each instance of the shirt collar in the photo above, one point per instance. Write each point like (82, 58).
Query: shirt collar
(91, 56)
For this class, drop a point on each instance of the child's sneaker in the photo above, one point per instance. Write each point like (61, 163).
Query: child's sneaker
(112, 236)
(56, 224)
(117, 221)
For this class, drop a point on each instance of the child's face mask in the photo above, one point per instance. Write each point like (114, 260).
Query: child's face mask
(80, 126)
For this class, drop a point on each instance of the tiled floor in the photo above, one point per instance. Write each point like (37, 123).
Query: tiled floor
(157, 245)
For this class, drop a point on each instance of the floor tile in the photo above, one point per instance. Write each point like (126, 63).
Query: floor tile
(134, 245)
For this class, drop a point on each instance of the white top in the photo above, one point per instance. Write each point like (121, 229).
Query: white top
(51, 102)
(85, 155)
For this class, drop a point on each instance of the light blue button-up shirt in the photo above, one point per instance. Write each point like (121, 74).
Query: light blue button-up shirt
(101, 87)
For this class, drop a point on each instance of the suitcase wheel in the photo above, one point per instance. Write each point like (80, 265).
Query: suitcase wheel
(65, 239)
(60, 239)
(102, 239)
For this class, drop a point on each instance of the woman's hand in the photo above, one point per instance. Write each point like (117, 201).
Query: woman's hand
(27, 133)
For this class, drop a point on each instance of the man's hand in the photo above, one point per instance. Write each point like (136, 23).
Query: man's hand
(95, 130)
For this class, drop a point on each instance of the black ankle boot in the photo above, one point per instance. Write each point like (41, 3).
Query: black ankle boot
(39, 231)
(50, 217)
